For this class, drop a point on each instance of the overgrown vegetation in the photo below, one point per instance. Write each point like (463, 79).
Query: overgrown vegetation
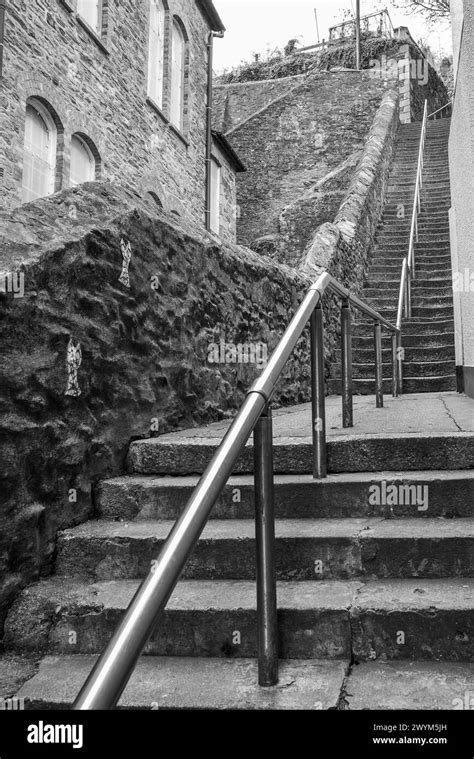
(279, 65)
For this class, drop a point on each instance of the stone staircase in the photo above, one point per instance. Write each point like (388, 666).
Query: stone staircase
(428, 337)
(375, 597)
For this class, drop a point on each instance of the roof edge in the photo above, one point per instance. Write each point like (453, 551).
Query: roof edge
(211, 15)
(224, 145)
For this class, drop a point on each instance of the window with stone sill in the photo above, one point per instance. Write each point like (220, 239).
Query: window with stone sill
(84, 164)
(156, 51)
(179, 76)
(39, 152)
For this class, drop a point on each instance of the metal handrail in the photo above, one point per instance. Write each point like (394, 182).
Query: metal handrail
(409, 263)
(114, 667)
(443, 108)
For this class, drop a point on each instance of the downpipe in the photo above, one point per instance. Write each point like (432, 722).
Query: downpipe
(209, 106)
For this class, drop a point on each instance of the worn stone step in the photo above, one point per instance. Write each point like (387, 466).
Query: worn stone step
(421, 353)
(317, 620)
(411, 342)
(414, 685)
(425, 369)
(202, 618)
(194, 683)
(417, 292)
(410, 385)
(424, 255)
(305, 549)
(420, 328)
(176, 455)
(380, 302)
(145, 498)
(394, 275)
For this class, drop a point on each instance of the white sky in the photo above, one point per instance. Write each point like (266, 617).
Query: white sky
(253, 26)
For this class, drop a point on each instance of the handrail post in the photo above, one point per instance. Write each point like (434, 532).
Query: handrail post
(395, 390)
(378, 365)
(318, 399)
(265, 541)
(346, 333)
(408, 296)
(400, 363)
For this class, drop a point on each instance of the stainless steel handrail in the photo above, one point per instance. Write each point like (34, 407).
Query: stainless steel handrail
(409, 263)
(449, 104)
(114, 667)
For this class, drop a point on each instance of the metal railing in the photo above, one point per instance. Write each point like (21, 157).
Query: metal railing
(114, 667)
(378, 23)
(409, 263)
(441, 112)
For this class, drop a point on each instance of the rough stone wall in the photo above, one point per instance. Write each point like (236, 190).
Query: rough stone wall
(99, 88)
(343, 247)
(297, 141)
(236, 102)
(148, 361)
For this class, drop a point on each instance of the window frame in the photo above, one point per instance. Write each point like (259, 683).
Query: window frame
(93, 158)
(161, 55)
(216, 188)
(52, 128)
(181, 126)
(100, 17)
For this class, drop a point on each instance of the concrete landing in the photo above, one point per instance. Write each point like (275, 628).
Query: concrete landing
(420, 414)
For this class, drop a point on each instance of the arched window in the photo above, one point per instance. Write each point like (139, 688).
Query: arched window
(178, 61)
(83, 164)
(91, 12)
(156, 51)
(39, 157)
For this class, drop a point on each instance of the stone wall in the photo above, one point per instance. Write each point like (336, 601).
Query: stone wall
(296, 141)
(150, 351)
(235, 103)
(99, 88)
(343, 247)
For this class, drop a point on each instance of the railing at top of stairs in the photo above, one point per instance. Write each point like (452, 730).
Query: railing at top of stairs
(409, 263)
(114, 667)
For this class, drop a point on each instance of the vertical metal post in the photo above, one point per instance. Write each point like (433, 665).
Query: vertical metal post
(358, 51)
(378, 365)
(409, 294)
(395, 390)
(318, 399)
(346, 332)
(265, 540)
(400, 363)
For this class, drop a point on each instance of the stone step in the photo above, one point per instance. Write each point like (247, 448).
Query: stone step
(317, 619)
(194, 683)
(147, 498)
(420, 329)
(418, 312)
(379, 302)
(410, 385)
(412, 342)
(417, 354)
(401, 685)
(177, 455)
(393, 275)
(305, 549)
(425, 369)
(396, 253)
(418, 292)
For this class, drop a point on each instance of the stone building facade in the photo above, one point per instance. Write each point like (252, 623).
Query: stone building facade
(117, 91)
(461, 159)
